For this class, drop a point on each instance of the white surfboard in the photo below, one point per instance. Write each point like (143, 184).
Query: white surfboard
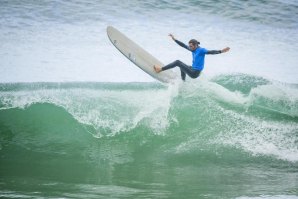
(139, 56)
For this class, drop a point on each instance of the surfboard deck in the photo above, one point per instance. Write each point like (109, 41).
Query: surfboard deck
(139, 56)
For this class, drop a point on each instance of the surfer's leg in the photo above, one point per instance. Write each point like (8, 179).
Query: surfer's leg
(185, 69)
(189, 71)
(169, 66)
(183, 75)
(173, 65)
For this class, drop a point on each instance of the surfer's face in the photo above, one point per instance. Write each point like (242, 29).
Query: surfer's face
(192, 46)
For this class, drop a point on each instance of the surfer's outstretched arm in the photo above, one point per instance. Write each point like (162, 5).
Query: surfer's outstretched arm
(183, 45)
(214, 52)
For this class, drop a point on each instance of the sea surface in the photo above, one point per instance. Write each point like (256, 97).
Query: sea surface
(79, 120)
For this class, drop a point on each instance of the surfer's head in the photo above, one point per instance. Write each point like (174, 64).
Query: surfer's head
(193, 44)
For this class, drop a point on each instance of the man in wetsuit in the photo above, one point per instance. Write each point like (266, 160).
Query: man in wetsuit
(198, 55)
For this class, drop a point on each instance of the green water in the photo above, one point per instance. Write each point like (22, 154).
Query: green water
(218, 138)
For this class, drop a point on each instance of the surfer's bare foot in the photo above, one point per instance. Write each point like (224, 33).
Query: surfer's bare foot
(157, 69)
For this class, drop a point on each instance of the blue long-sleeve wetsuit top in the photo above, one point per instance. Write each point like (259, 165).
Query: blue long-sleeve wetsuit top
(198, 55)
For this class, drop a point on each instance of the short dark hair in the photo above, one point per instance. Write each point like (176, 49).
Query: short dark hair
(194, 42)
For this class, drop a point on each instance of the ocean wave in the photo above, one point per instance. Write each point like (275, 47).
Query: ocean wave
(279, 13)
(255, 116)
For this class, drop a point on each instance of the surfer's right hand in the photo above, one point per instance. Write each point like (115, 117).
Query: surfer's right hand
(225, 50)
(172, 36)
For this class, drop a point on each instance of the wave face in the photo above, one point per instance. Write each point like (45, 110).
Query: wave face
(236, 135)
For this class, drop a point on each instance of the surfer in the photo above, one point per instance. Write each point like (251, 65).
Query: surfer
(198, 55)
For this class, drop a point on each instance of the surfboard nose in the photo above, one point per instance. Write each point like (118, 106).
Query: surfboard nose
(137, 55)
